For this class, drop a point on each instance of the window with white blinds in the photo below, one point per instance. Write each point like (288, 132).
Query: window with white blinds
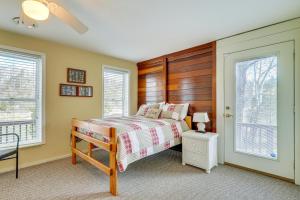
(256, 107)
(115, 92)
(20, 97)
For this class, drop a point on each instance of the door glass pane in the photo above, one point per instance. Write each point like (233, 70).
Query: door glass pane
(256, 107)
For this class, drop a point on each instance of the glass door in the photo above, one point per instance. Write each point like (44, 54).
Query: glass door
(259, 112)
(256, 107)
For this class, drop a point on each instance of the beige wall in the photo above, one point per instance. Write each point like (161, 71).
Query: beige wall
(60, 110)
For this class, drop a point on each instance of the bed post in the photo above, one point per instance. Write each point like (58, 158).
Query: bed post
(113, 163)
(90, 148)
(73, 144)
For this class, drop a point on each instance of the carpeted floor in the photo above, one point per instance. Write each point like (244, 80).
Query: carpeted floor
(158, 177)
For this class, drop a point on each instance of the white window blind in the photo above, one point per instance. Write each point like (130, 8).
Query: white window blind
(20, 97)
(256, 107)
(115, 92)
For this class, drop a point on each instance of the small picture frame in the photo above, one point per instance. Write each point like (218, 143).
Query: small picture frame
(76, 76)
(68, 90)
(85, 91)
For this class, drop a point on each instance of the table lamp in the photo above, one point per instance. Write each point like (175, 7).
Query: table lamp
(201, 118)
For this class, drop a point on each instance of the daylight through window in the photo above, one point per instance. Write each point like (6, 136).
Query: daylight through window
(115, 98)
(20, 97)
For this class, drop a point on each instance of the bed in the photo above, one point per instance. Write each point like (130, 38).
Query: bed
(126, 139)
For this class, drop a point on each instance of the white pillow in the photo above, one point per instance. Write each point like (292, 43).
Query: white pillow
(161, 104)
(184, 111)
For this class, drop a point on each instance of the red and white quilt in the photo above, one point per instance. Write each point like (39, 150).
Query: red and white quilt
(139, 137)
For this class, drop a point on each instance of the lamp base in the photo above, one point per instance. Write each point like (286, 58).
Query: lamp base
(201, 127)
(203, 132)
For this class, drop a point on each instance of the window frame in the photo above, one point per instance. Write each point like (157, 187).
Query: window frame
(42, 87)
(102, 86)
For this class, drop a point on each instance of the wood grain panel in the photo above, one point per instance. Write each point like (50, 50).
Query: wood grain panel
(151, 94)
(197, 80)
(151, 99)
(150, 70)
(190, 79)
(151, 89)
(198, 91)
(150, 77)
(178, 86)
(151, 81)
(195, 66)
(195, 60)
(187, 76)
(214, 88)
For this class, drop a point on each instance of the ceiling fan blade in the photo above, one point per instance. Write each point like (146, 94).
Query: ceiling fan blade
(67, 18)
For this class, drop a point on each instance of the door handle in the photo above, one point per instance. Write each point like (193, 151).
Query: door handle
(227, 115)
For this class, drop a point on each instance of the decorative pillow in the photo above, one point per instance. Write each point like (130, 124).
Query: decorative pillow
(172, 111)
(145, 107)
(184, 111)
(153, 113)
(161, 104)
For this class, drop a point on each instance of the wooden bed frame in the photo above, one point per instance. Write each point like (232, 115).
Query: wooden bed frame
(110, 147)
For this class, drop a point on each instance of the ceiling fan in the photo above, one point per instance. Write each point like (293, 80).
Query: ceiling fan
(39, 10)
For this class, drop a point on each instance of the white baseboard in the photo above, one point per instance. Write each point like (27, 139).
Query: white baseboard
(30, 164)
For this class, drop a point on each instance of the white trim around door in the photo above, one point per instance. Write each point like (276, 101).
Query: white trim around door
(287, 31)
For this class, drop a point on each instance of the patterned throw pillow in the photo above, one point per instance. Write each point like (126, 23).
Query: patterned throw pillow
(144, 108)
(153, 113)
(172, 111)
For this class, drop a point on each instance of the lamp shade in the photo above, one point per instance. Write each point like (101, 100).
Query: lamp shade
(200, 117)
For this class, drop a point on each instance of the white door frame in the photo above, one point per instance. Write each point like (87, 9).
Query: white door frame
(287, 31)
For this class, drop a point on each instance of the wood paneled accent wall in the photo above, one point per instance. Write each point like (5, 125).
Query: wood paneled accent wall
(180, 77)
(152, 85)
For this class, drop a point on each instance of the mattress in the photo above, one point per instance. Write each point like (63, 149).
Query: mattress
(138, 137)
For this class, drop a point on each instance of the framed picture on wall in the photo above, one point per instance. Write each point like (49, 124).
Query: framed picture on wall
(85, 91)
(76, 76)
(68, 90)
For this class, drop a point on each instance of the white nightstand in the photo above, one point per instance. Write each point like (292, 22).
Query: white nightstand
(199, 149)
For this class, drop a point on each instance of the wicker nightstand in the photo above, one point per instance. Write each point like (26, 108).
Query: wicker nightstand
(199, 149)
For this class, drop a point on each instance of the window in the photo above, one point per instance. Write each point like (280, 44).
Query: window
(20, 97)
(256, 107)
(115, 92)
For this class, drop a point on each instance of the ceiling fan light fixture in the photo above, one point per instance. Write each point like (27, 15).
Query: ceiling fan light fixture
(35, 10)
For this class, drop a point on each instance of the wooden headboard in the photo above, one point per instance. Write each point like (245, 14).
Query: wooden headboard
(187, 76)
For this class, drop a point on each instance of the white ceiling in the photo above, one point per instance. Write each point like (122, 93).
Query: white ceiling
(141, 29)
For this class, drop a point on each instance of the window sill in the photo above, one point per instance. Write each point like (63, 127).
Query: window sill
(24, 145)
(31, 145)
